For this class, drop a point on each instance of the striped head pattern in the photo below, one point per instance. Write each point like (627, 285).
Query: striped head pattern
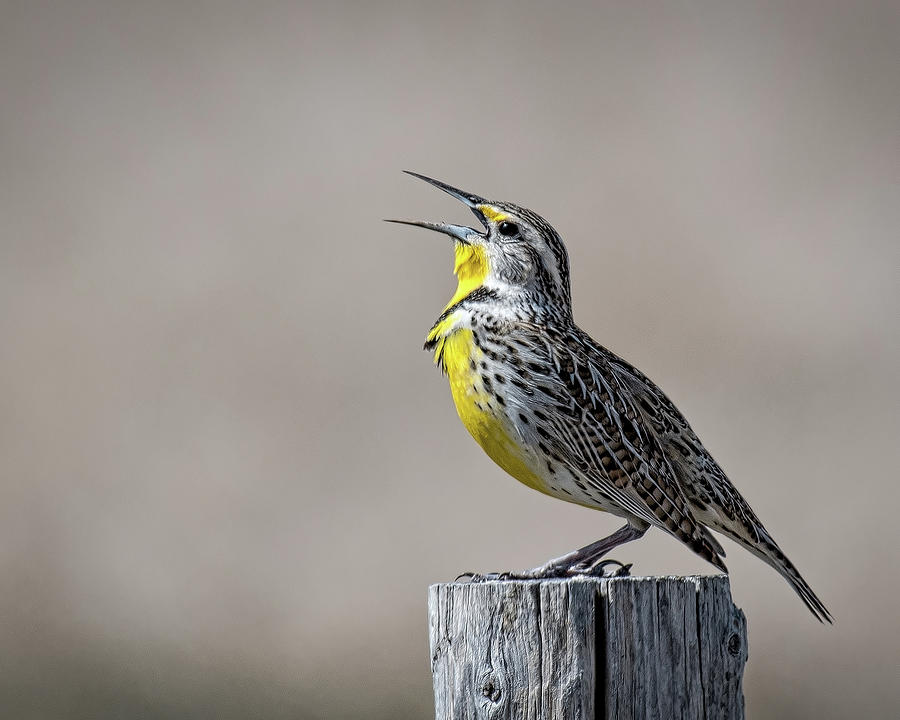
(518, 258)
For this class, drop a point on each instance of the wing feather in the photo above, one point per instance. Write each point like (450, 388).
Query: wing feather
(600, 436)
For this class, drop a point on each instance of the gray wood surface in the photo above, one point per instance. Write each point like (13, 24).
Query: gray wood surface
(658, 647)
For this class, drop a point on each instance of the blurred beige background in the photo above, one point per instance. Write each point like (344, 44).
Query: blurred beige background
(228, 470)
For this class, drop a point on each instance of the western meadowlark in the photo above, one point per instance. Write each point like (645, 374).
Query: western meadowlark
(566, 416)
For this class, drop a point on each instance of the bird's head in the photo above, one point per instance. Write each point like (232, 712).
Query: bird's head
(518, 255)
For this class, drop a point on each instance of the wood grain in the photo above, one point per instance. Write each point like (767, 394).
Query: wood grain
(659, 647)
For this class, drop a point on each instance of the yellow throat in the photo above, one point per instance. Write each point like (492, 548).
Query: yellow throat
(460, 358)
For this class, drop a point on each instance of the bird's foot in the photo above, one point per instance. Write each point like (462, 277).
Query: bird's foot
(598, 569)
(547, 571)
(542, 572)
(554, 570)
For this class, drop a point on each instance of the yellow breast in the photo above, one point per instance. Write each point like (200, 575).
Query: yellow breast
(479, 410)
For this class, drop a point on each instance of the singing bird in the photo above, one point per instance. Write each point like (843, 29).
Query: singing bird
(564, 415)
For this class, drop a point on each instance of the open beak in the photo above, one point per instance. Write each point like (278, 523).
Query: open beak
(459, 232)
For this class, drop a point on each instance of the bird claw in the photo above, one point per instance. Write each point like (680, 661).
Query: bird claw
(624, 570)
(474, 578)
(599, 569)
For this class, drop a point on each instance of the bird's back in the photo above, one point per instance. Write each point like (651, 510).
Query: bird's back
(688, 468)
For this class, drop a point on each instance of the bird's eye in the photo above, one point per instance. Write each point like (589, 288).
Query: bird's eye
(508, 229)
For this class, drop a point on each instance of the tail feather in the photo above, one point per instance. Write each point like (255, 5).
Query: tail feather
(768, 551)
(780, 562)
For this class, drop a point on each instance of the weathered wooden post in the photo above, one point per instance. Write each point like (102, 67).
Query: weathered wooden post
(655, 647)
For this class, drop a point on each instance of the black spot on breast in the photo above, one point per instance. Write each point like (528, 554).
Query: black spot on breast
(513, 357)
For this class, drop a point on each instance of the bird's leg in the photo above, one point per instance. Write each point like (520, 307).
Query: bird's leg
(591, 563)
(557, 567)
(584, 560)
